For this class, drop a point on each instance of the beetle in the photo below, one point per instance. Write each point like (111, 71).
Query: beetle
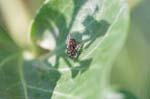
(72, 47)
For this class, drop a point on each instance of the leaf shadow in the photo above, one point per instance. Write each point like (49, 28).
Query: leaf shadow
(79, 69)
(44, 77)
(77, 6)
(95, 30)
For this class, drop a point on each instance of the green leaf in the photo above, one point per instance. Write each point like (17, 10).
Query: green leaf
(100, 26)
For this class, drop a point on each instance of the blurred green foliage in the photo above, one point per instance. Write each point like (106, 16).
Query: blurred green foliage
(132, 67)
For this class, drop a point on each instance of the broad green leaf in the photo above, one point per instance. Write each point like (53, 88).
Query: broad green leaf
(100, 26)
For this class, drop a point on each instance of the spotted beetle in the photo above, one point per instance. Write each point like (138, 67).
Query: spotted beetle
(72, 47)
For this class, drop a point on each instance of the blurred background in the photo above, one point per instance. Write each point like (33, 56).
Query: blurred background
(132, 67)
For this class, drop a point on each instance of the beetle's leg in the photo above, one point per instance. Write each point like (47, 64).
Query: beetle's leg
(78, 46)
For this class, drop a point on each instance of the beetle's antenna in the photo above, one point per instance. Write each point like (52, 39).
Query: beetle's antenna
(68, 38)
